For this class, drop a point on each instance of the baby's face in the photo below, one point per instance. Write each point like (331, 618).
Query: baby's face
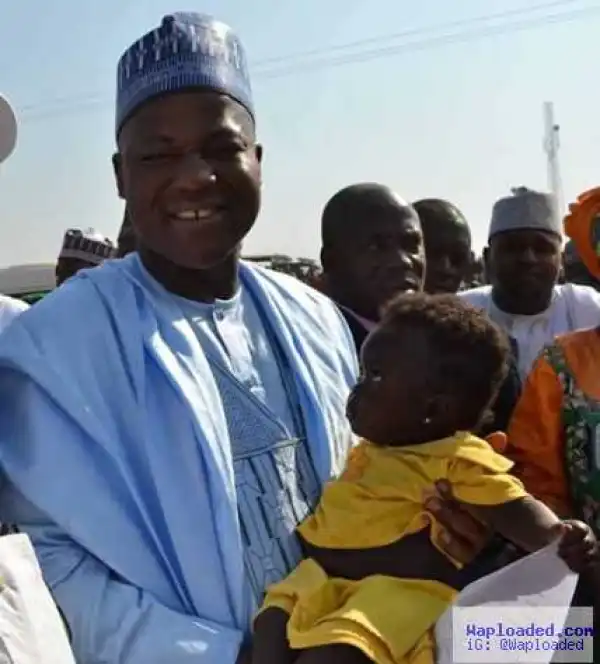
(384, 402)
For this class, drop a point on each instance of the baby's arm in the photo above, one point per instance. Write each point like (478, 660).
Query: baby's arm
(411, 557)
(526, 522)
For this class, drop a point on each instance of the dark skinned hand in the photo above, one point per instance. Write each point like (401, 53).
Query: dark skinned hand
(578, 546)
(463, 536)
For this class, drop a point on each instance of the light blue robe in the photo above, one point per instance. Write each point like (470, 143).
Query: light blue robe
(116, 445)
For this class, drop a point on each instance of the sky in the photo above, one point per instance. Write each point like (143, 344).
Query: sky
(433, 98)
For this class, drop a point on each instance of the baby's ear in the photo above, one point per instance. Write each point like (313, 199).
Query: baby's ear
(442, 409)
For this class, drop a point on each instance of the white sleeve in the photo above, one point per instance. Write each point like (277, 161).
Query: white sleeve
(584, 305)
(10, 308)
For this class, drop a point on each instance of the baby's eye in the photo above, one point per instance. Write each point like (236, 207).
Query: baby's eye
(376, 378)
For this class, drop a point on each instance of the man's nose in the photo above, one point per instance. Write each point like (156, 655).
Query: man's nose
(527, 256)
(444, 264)
(194, 171)
(398, 257)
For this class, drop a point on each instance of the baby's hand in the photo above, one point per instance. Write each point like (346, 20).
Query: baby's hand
(578, 546)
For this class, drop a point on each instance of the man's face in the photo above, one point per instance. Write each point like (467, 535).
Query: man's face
(523, 268)
(377, 259)
(189, 169)
(448, 251)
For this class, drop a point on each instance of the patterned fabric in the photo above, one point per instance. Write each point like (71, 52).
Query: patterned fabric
(581, 417)
(275, 480)
(186, 51)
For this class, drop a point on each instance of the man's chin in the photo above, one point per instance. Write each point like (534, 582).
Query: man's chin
(445, 288)
(530, 298)
(200, 259)
(386, 292)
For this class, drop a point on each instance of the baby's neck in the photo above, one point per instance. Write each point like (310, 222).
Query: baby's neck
(417, 439)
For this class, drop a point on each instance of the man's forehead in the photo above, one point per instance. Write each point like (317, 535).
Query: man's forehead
(525, 236)
(387, 219)
(457, 225)
(455, 232)
(167, 118)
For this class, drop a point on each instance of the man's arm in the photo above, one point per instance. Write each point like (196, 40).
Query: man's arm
(113, 621)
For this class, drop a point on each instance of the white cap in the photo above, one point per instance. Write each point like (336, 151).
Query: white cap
(525, 210)
(8, 129)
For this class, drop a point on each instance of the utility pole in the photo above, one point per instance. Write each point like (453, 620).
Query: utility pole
(551, 148)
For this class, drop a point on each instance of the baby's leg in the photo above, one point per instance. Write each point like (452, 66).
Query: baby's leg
(335, 654)
(270, 643)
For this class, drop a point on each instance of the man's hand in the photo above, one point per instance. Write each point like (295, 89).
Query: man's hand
(463, 537)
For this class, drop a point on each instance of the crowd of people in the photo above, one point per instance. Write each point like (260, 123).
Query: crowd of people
(216, 462)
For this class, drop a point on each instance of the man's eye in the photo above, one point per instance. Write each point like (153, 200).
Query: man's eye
(225, 150)
(157, 157)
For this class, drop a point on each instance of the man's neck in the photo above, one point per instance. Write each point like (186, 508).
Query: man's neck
(365, 322)
(217, 283)
(513, 307)
(356, 310)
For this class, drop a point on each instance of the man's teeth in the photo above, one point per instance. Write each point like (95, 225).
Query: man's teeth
(194, 215)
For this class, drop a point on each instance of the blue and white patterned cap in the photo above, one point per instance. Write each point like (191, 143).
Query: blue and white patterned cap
(88, 246)
(187, 51)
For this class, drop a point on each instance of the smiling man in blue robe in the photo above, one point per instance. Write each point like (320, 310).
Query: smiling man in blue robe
(172, 416)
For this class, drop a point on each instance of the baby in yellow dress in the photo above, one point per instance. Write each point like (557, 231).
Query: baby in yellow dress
(429, 374)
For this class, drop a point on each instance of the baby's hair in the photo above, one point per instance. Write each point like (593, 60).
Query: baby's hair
(469, 352)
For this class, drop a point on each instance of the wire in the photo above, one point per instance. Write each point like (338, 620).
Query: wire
(328, 58)
(415, 32)
(433, 42)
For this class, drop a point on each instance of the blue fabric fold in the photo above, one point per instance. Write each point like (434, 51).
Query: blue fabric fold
(112, 427)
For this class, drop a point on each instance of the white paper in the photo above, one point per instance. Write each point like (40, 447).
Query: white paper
(533, 584)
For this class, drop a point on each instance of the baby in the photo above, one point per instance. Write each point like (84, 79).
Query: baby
(429, 374)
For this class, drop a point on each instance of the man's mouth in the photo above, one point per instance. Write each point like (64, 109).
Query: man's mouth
(399, 285)
(444, 284)
(529, 280)
(197, 216)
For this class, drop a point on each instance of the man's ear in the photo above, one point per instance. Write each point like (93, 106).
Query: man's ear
(485, 256)
(327, 259)
(118, 170)
(259, 153)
